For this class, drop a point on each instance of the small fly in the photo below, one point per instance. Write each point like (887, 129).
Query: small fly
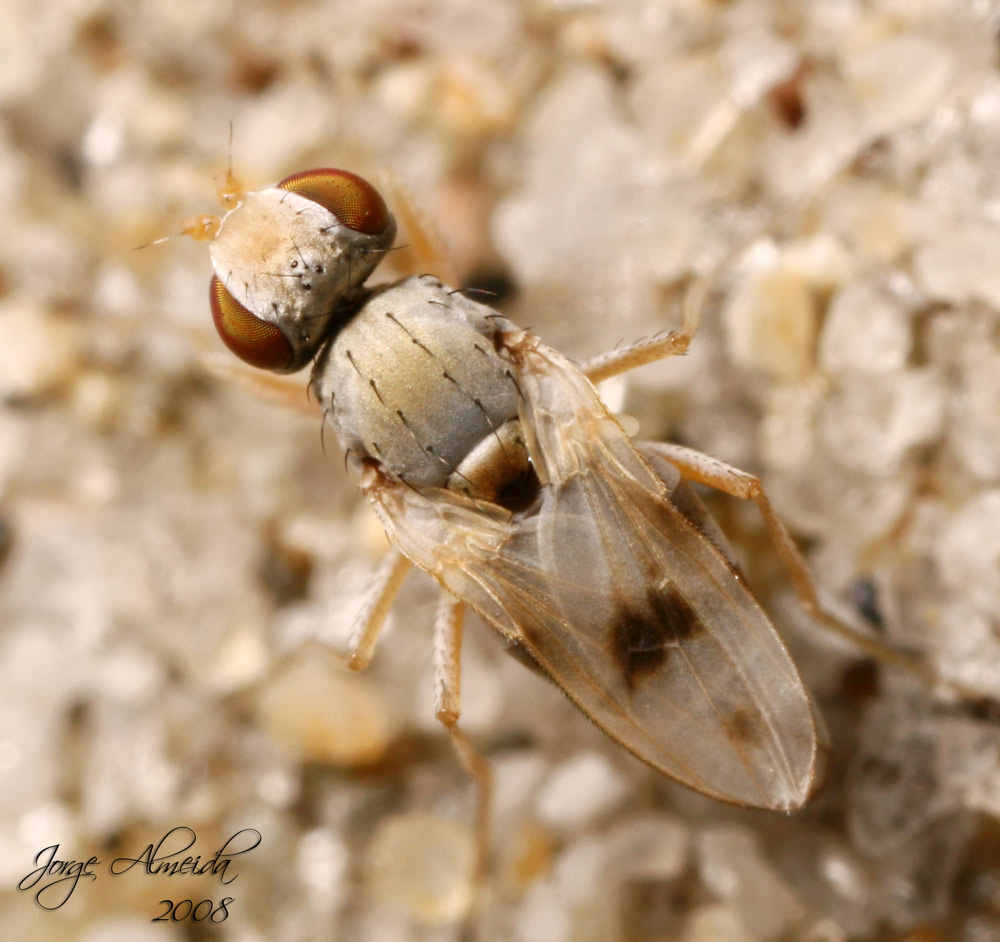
(495, 467)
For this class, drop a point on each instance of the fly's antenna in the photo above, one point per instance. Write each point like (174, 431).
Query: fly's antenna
(201, 228)
(229, 189)
(205, 226)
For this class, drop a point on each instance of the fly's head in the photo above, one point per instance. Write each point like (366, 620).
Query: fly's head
(288, 258)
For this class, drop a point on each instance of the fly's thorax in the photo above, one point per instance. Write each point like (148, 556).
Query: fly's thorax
(418, 380)
(291, 262)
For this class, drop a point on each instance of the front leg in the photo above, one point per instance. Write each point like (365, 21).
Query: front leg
(378, 600)
(368, 623)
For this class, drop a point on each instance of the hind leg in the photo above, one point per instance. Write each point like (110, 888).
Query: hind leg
(703, 469)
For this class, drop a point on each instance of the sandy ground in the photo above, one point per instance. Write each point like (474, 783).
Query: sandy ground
(168, 538)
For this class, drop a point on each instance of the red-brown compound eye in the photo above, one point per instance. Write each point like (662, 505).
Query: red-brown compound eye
(254, 341)
(355, 202)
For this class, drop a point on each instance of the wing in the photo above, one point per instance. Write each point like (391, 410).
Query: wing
(640, 619)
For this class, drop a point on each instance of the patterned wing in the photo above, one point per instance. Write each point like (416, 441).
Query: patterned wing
(624, 604)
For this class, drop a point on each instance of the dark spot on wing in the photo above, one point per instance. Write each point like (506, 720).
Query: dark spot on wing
(744, 726)
(641, 639)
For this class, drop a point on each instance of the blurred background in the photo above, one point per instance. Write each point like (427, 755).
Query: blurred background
(168, 538)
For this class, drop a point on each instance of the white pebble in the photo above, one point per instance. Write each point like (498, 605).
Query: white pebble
(865, 330)
(771, 323)
(900, 80)
(38, 352)
(424, 866)
(734, 869)
(957, 263)
(650, 847)
(326, 715)
(579, 791)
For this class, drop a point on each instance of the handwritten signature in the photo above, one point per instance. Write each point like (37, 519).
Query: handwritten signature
(54, 880)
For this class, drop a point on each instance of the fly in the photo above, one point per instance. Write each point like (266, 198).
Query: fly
(495, 467)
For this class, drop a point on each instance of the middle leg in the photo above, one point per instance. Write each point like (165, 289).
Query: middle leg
(447, 708)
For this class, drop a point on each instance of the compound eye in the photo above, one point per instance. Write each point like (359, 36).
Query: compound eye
(254, 341)
(355, 202)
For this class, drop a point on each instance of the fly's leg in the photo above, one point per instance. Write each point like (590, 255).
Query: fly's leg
(674, 342)
(281, 390)
(421, 248)
(378, 601)
(447, 708)
(368, 623)
(703, 469)
(448, 625)
(651, 349)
